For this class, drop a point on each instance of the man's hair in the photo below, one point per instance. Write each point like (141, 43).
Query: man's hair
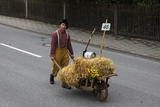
(65, 22)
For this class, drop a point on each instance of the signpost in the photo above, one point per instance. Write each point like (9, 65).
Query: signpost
(105, 27)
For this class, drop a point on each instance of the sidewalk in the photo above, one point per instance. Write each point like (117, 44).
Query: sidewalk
(140, 47)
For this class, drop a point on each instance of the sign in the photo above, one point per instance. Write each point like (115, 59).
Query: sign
(106, 26)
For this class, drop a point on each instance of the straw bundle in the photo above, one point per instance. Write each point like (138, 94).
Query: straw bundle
(72, 73)
(103, 65)
(68, 75)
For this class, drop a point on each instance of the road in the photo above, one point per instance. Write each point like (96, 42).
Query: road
(25, 68)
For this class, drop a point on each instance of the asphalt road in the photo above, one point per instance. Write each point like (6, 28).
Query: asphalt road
(25, 68)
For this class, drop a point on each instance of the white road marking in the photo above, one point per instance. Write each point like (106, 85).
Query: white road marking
(38, 56)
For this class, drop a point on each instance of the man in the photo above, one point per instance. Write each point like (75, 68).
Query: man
(61, 49)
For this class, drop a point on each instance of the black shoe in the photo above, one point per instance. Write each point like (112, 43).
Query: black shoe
(107, 85)
(51, 79)
(64, 85)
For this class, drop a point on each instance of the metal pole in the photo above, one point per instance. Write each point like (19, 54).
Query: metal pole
(115, 19)
(64, 9)
(26, 8)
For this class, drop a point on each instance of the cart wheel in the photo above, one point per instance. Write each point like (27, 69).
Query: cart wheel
(102, 95)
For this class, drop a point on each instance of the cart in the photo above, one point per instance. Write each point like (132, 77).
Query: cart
(99, 86)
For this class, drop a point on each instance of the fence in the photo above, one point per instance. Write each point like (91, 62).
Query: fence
(12, 8)
(139, 22)
(88, 16)
(45, 11)
(130, 21)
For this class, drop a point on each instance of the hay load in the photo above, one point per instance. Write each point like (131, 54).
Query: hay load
(68, 75)
(85, 68)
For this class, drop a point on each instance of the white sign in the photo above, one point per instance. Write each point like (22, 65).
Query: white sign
(106, 26)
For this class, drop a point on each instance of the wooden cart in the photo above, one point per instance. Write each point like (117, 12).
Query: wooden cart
(99, 86)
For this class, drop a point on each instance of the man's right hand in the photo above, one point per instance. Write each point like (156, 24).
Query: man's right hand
(52, 57)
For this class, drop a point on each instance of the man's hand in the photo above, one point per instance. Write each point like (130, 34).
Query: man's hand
(52, 58)
(72, 56)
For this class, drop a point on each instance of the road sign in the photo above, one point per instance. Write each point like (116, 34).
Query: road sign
(106, 26)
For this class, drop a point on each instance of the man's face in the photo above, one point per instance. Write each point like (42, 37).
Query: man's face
(62, 27)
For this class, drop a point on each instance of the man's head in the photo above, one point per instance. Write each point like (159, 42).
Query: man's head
(63, 24)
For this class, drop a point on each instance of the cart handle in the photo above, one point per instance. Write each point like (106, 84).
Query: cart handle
(103, 77)
(57, 64)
